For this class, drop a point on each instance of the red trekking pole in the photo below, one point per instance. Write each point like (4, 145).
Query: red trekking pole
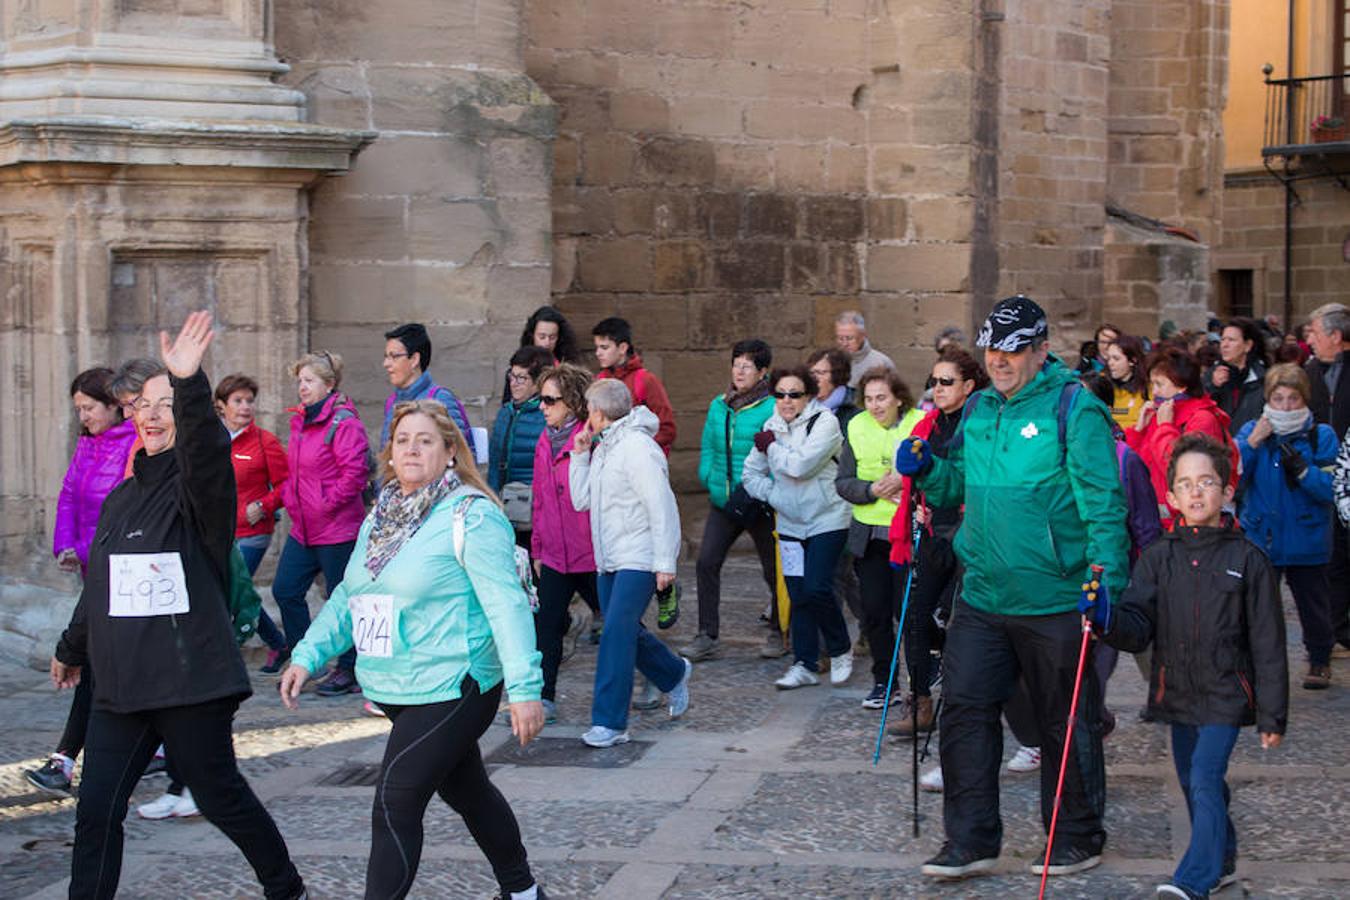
(1091, 590)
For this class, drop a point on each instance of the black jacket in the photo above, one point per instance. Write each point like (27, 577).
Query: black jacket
(182, 500)
(1243, 397)
(1208, 600)
(1328, 409)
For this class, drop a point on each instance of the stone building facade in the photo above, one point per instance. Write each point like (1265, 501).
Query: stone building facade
(320, 169)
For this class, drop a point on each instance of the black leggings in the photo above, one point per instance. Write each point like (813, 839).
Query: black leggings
(433, 749)
(77, 720)
(935, 582)
(552, 621)
(199, 739)
(882, 587)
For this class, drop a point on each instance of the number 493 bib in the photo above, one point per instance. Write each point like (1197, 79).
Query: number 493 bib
(373, 623)
(146, 584)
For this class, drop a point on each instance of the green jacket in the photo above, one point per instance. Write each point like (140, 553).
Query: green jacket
(728, 438)
(1033, 525)
(448, 620)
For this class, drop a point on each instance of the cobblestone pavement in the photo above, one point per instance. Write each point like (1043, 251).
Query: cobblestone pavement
(755, 793)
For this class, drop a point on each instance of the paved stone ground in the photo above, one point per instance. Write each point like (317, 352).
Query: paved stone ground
(754, 793)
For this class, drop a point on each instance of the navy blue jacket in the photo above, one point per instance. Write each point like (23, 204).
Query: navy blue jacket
(511, 450)
(1292, 526)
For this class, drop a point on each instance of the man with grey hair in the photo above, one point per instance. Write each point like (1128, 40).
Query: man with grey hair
(850, 335)
(619, 474)
(1329, 374)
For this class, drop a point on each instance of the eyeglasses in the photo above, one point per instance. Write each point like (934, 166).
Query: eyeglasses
(546, 400)
(1206, 484)
(518, 378)
(390, 357)
(162, 405)
(744, 367)
(945, 382)
(789, 395)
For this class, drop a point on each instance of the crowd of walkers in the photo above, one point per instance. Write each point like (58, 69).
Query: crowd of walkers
(962, 522)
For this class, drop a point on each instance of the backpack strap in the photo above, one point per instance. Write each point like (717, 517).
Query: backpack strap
(811, 423)
(457, 525)
(1067, 396)
(959, 436)
(339, 417)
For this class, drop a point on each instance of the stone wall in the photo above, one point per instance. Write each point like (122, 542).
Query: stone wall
(445, 219)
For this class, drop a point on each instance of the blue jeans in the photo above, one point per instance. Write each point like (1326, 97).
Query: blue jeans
(1201, 753)
(253, 549)
(815, 611)
(624, 596)
(296, 570)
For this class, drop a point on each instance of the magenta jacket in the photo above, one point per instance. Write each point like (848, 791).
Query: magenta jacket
(98, 466)
(561, 537)
(325, 478)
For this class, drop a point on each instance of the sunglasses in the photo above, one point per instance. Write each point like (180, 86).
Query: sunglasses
(945, 382)
(789, 395)
(549, 401)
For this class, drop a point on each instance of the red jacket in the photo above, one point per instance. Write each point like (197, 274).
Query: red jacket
(1154, 443)
(648, 391)
(259, 473)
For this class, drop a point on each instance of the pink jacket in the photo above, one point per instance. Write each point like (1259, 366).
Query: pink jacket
(561, 537)
(324, 480)
(96, 468)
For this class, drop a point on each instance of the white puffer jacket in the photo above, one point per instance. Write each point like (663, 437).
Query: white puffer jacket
(623, 481)
(796, 476)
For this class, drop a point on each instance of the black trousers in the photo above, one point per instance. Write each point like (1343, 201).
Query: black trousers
(198, 739)
(433, 749)
(1312, 596)
(77, 720)
(882, 587)
(985, 656)
(935, 582)
(1338, 576)
(719, 533)
(552, 621)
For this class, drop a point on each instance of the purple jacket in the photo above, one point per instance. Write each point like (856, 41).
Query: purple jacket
(325, 479)
(561, 536)
(98, 466)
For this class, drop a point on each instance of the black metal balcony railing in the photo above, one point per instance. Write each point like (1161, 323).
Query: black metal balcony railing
(1306, 115)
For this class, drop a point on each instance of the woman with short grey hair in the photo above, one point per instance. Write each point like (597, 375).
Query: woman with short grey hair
(619, 473)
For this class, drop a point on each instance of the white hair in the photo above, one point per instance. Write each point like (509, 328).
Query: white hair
(610, 398)
(851, 317)
(1333, 317)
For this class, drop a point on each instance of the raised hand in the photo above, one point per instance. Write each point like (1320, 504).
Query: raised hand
(581, 441)
(184, 356)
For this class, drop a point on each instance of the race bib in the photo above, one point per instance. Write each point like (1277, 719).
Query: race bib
(372, 624)
(794, 559)
(146, 584)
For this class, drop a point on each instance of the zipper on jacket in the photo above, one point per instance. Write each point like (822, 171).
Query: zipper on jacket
(1247, 689)
(727, 425)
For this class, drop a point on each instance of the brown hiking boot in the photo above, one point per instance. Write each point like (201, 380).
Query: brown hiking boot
(1317, 679)
(902, 725)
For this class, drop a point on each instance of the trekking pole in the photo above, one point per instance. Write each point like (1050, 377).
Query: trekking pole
(899, 633)
(1097, 572)
(914, 768)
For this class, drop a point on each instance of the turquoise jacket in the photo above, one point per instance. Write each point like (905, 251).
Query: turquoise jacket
(728, 438)
(1037, 514)
(449, 620)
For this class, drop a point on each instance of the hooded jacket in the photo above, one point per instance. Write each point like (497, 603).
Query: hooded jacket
(514, 435)
(622, 480)
(561, 537)
(1037, 513)
(648, 391)
(98, 466)
(1292, 526)
(796, 475)
(259, 474)
(325, 478)
(179, 501)
(450, 620)
(1207, 599)
(728, 437)
(1154, 443)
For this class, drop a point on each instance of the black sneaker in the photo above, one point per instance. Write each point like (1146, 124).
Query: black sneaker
(1066, 860)
(1228, 875)
(668, 606)
(953, 862)
(51, 778)
(339, 683)
(876, 698)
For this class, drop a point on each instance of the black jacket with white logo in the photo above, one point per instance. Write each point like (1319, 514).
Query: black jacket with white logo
(183, 501)
(1208, 600)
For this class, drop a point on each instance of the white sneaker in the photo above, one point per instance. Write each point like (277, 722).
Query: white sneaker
(186, 807)
(1026, 759)
(841, 667)
(931, 780)
(679, 694)
(795, 677)
(600, 736)
(159, 809)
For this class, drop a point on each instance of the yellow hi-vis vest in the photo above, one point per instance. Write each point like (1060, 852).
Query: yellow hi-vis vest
(874, 449)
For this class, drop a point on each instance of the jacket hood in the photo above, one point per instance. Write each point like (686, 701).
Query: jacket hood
(776, 423)
(630, 365)
(640, 418)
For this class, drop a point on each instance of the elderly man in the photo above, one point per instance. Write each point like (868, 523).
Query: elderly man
(1035, 466)
(1329, 335)
(619, 473)
(850, 335)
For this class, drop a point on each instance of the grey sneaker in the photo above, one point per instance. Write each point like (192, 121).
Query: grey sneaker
(700, 648)
(648, 698)
(773, 646)
(581, 619)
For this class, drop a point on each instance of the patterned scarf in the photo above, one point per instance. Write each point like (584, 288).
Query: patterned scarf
(739, 400)
(398, 516)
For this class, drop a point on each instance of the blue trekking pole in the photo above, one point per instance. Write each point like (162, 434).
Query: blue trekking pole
(899, 633)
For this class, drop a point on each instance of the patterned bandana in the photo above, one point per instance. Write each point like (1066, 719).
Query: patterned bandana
(398, 516)
(1014, 324)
